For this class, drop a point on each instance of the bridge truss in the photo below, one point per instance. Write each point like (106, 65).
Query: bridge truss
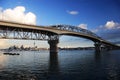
(75, 29)
(26, 34)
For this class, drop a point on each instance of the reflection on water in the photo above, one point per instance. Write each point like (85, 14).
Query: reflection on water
(2, 61)
(53, 63)
(53, 69)
(97, 56)
(65, 65)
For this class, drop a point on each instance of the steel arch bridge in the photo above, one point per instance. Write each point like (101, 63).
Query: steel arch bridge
(82, 32)
(74, 29)
(10, 30)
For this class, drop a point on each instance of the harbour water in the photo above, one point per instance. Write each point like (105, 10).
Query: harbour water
(66, 65)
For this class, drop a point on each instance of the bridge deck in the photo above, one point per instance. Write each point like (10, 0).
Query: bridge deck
(4, 24)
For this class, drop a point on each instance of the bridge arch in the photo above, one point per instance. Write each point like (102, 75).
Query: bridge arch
(77, 32)
(81, 36)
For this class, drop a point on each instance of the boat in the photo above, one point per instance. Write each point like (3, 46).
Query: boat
(7, 53)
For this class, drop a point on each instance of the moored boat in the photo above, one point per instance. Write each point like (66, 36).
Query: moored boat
(7, 53)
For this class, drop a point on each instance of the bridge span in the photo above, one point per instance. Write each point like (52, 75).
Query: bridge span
(11, 30)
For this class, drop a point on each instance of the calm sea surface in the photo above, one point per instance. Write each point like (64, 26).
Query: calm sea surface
(67, 65)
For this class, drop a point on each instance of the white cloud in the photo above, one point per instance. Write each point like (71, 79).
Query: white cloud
(111, 25)
(109, 31)
(18, 15)
(84, 26)
(30, 18)
(72, 12)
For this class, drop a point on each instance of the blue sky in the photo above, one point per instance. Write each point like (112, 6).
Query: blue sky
(99, 16)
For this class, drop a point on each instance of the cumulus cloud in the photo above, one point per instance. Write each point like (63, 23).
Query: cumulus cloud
(18, 15)
(84, 26)
(72, 12)
(111, 25)
(109, 31)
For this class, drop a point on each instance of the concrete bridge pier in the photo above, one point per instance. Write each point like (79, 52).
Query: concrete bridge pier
(53, 46)
(97, 46)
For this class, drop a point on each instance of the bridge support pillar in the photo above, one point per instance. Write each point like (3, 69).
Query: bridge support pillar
(97, 46)
(53, 45)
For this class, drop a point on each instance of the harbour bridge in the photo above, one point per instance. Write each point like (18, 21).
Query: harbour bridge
(12, 30)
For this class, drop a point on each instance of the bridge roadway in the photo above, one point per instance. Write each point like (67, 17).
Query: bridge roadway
(4, 25)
